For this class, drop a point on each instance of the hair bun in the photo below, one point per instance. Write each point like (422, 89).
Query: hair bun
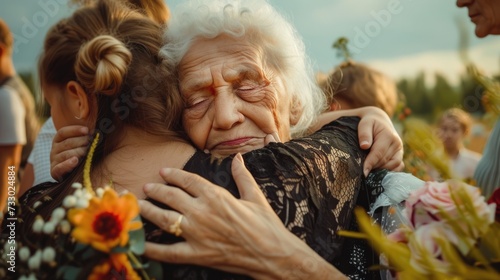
(102, 63)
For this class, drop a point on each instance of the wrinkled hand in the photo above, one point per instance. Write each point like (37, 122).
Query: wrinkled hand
(69, 145)
(240, 236)
(376, 131)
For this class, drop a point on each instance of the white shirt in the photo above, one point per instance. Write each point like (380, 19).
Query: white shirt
(464, 165)
(40, 155)
(12, 117)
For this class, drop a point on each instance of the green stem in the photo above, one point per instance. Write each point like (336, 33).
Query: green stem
(138, 264)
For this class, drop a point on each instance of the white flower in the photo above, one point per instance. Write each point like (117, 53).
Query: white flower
(99, 192)
(35, 261)
(6, 248)
(49, 227)
(87, 195)
(24, 254)
(65, 226)
(82, 203)
(77, 185)
(36, 204)
(69, 201)
(58, 214)
(48, 254)
(78, 193)
(38, 224)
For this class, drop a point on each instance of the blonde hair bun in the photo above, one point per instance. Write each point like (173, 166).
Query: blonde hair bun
(102, 64)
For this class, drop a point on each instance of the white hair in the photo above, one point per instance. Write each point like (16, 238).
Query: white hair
(257, 20)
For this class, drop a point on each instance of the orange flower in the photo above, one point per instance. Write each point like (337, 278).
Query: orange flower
(105, 223)
(116, 267)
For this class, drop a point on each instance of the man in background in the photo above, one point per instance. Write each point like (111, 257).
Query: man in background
(18, 122)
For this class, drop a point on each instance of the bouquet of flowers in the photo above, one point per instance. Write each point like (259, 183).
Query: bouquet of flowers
(448, 232)
(94, 235)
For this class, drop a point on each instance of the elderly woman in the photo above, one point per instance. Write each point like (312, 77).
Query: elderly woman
(243, 72)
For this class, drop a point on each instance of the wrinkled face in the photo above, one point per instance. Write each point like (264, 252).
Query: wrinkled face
(61, 115)
(485, 14)
(451, 133)
(232, 99)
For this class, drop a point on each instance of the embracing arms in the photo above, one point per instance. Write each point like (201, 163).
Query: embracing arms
(241, 236)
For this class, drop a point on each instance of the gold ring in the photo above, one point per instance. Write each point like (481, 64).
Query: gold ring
(176, 227)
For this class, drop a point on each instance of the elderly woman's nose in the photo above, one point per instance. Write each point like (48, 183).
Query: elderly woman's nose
(226, 113)
(463, 3)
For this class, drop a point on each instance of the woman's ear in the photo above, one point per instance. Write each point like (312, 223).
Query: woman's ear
(78, 100)
(296, 110)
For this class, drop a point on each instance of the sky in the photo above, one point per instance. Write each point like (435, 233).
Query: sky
(398, 37)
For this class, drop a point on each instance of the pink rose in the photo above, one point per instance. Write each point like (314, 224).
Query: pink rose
(425, 204)
(426, 255)
(417, 212)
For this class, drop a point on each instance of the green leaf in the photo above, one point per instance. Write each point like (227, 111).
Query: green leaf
(68, 272)
(154, 270)
(137, 241)
(120, 249)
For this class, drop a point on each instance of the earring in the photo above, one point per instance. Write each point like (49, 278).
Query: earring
(78, 118)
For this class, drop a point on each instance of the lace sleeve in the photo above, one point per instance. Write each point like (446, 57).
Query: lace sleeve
(312, 183)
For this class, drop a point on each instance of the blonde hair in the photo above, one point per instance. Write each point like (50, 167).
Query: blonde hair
(111, 50)
(6, 37)
(156, 10)
(103, 73)
(96, 47)
(361, 86)
(460, 116)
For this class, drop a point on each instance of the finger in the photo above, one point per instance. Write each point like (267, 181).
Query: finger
(78, 153)
(189, 182)
(395, 163)
(59, 170)
(71, 143)
(69, 132)
(161, 217)
(392, 153)
(365, 133)
(183, 252)
(400, 168)
(174, 197)
(272, 138)
(373, 157)
(248, 188)
(180, 252)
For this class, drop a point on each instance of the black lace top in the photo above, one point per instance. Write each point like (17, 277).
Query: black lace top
(312, 183)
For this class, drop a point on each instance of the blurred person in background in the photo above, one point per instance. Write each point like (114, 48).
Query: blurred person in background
(352, 85)
(485, 14)
(18, 122)
(453, 126)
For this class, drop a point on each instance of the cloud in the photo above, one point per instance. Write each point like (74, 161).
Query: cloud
(446, 62)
